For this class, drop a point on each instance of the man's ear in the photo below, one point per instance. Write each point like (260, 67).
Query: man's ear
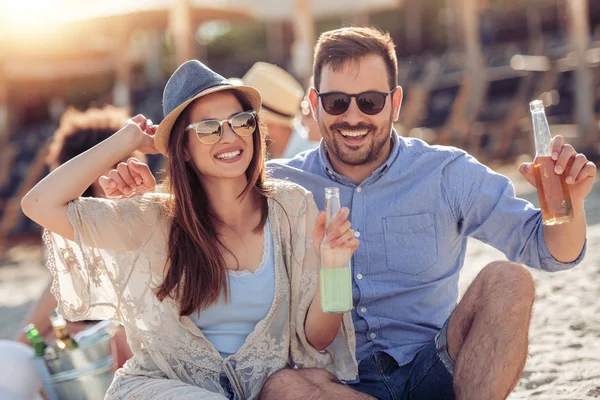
(397, 96)
(313, 99)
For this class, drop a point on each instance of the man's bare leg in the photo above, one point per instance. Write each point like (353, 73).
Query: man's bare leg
(305, 384)
(488, 332)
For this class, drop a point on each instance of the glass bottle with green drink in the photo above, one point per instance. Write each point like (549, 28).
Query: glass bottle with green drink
(335, 274)
(36, 340)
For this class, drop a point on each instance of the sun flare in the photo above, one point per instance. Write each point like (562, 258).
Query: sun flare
(34, 14)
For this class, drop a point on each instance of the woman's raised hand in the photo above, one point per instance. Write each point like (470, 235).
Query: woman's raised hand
(145, 130)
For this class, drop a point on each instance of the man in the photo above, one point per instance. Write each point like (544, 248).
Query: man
(281, 94)
(414, 207)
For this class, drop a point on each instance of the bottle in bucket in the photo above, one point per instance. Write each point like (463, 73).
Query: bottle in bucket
(553, 192)
(36, 340)
(335, 274)
(64, 341)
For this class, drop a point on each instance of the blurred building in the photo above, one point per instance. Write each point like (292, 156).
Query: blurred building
(468, 67)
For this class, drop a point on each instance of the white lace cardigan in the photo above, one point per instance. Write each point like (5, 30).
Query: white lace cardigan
(117, 261)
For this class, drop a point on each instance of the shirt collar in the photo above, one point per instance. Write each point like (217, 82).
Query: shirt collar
(324, 160)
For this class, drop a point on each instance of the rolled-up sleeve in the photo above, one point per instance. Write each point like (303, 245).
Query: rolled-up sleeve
(486, 208)
(90, 273)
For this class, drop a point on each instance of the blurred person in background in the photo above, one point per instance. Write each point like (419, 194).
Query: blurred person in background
(282, 96)
(215, 281)
(78, 131)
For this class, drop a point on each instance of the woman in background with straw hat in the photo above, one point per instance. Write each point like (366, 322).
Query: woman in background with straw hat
(216, 281)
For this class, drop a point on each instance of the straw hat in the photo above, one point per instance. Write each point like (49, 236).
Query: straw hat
(281, 93)
(189, 82)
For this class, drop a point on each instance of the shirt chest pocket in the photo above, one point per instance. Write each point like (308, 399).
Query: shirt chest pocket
(410, 243)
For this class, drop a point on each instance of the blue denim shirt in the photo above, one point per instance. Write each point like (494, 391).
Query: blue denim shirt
(413, 216)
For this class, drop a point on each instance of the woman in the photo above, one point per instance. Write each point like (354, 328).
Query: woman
(216, 281)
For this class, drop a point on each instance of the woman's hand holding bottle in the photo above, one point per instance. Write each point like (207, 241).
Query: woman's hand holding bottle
(339, 232)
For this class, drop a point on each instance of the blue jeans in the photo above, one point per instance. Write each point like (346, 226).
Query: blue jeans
(427, 377)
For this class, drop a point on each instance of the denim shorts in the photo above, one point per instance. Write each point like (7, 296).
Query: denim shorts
(227, 387)
(427, 377)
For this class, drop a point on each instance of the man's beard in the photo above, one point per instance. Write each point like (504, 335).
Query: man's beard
(367, 155)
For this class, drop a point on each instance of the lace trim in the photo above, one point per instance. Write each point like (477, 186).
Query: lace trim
(267, 251)
(51, 265)
(180, 362)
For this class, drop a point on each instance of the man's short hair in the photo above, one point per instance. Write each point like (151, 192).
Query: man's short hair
(340, 45)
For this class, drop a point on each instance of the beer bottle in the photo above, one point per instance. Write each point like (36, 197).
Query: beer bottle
(64, 341)
(37, 342)
(553, 192)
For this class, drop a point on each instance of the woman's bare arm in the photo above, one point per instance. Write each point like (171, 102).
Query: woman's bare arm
(46, 203)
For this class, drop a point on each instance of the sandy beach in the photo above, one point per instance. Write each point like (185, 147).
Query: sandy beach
(564, 347)
(564, 352)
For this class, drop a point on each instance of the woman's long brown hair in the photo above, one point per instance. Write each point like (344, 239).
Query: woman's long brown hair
(196, 272)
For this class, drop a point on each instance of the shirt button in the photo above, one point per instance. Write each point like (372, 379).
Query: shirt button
(363, 310)
(358, 189)
(359, 276)
(357, 234)
(373, 335)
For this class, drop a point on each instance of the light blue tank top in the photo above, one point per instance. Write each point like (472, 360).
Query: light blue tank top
(226, 326)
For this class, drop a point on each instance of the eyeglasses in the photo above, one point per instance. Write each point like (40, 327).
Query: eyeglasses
(209, 131)
(337, 103)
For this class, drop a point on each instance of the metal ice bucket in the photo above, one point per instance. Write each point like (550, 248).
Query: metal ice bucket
(83, 373)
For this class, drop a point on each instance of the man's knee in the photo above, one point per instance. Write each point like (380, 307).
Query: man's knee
(509, 281)
(285, 383)
(283, 377)
(296, 383)
(319, 377)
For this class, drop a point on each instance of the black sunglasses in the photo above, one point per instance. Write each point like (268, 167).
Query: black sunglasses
(337, 103)
(209, 131)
